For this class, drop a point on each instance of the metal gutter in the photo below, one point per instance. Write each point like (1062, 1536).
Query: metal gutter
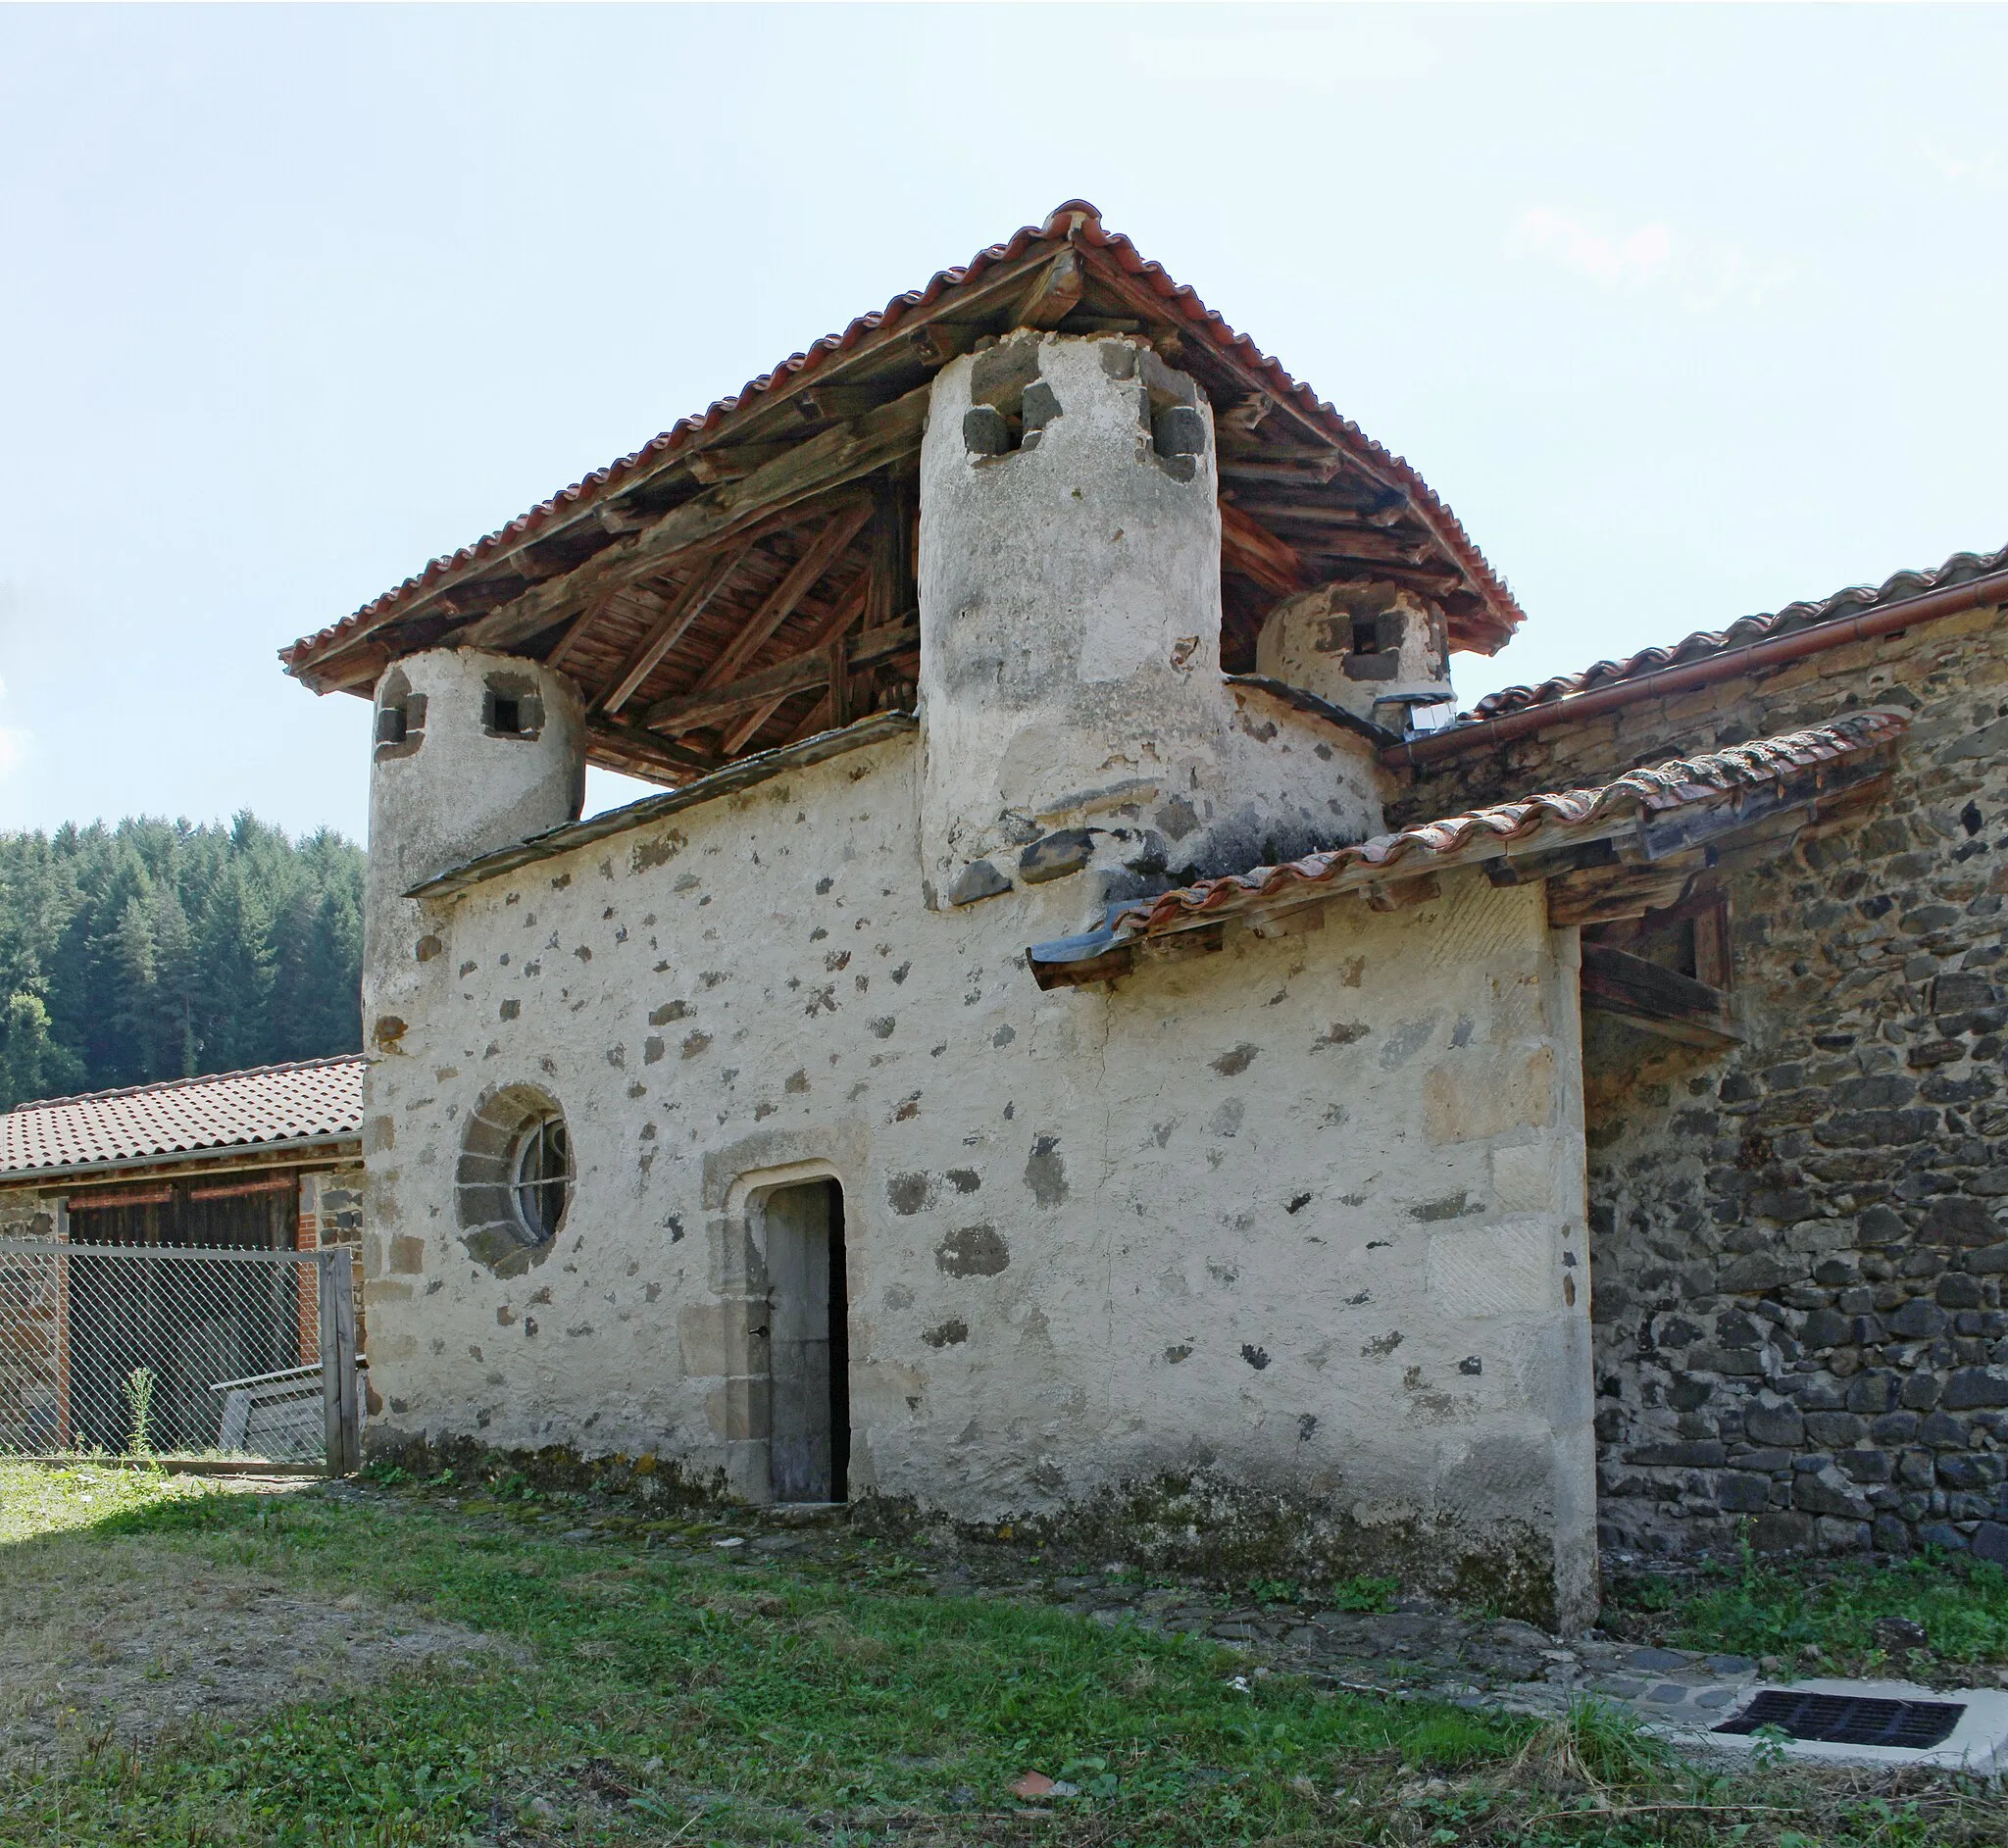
(1772, 651)
(34, 1177)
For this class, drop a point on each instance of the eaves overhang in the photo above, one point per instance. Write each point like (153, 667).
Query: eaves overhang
(797, 490)
(1653, 813)
(246, 1154)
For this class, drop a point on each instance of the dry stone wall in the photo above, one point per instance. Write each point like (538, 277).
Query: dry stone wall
(1799, 1244)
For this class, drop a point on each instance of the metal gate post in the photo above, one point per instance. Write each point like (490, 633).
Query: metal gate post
(337, 1293)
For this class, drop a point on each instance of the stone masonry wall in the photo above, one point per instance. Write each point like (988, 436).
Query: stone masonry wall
(1799, 1244)
(1299, 1222)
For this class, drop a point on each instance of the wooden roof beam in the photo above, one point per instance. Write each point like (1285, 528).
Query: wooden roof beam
(694, 712)
(828, 633)
(802, 576)
(1054, 294)
(837, 457)
(1257, 553)
(671, 627)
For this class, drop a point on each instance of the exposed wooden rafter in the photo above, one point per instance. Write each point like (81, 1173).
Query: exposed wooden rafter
(576, 631)
(829, 634)
(1257, 553)
(1054, 294)
(810, 467)
(694, 712)
(670, 626)
(819, 554)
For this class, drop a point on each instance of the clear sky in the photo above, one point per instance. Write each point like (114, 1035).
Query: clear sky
(1686, 312)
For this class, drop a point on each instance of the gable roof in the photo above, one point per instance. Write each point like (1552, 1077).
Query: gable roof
(614, 566)
(315, 1100)
(1726, 779)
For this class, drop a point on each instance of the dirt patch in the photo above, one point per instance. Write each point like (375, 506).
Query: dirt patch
(122, 1638)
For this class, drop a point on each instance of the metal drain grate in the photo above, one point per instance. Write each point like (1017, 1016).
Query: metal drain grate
(1849, 1720)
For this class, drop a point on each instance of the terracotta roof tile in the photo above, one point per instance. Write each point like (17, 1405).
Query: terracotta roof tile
(1075, 218)
(1481, 835)
(1956, 569)
(281, 1103)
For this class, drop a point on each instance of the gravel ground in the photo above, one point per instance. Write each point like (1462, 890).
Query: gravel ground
(122, 1638)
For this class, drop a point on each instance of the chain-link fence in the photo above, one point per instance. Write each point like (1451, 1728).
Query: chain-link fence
(228, 1354)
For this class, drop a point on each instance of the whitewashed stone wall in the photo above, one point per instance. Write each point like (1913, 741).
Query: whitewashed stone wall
(1069, 593)
(1301, 1220)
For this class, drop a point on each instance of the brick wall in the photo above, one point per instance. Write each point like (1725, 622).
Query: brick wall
(1799, 1247)
(31, 1411)
(331, 1214)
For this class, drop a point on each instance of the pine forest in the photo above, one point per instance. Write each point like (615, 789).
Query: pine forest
(160, 950)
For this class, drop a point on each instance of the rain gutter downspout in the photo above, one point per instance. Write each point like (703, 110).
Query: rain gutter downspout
(1774, 651)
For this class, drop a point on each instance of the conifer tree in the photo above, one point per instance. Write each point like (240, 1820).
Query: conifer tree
(157, 950)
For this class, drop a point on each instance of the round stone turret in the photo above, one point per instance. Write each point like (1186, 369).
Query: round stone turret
(471, 752)
(1379, 650)
(1069, 593)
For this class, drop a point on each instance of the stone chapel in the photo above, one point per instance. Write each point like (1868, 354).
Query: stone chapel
(1089, 1039)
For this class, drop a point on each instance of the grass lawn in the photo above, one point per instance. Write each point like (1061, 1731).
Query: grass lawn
(1823, 1616)
(656, 1687)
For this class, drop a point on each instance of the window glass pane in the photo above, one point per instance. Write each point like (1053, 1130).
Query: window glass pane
(543, 1173)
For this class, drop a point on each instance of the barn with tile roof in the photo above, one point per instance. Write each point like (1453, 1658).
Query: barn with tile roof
(267, 1160)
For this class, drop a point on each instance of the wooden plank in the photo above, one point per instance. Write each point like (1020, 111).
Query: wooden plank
(1606, 894)
(1400, 894)
(325, 1285)
(1658, 1000)
(349, 1405)
(1712, 963)
(815, 719)
(670, 628)
(838, 667)
(832, 404)
(1345, 540)
(713, 466)
(1257, 466)
(1055, 292)
(890, 591)
(1255, 552)
(801, 578)
(576, 631)
(1526, 869)
(651, 748)
(885, 436)
(691, 712)
(616, 517)
(835, 624)
(737, 737)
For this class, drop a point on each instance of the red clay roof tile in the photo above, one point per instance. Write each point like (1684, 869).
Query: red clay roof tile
(1956, 569)
(1660, 786)
(1076, 217)
(281, 1103)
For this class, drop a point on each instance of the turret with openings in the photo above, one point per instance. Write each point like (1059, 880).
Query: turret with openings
(1074, 708)
(471, 752)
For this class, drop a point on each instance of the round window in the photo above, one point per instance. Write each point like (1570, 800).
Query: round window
(543, 1177)
(515, 1178)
